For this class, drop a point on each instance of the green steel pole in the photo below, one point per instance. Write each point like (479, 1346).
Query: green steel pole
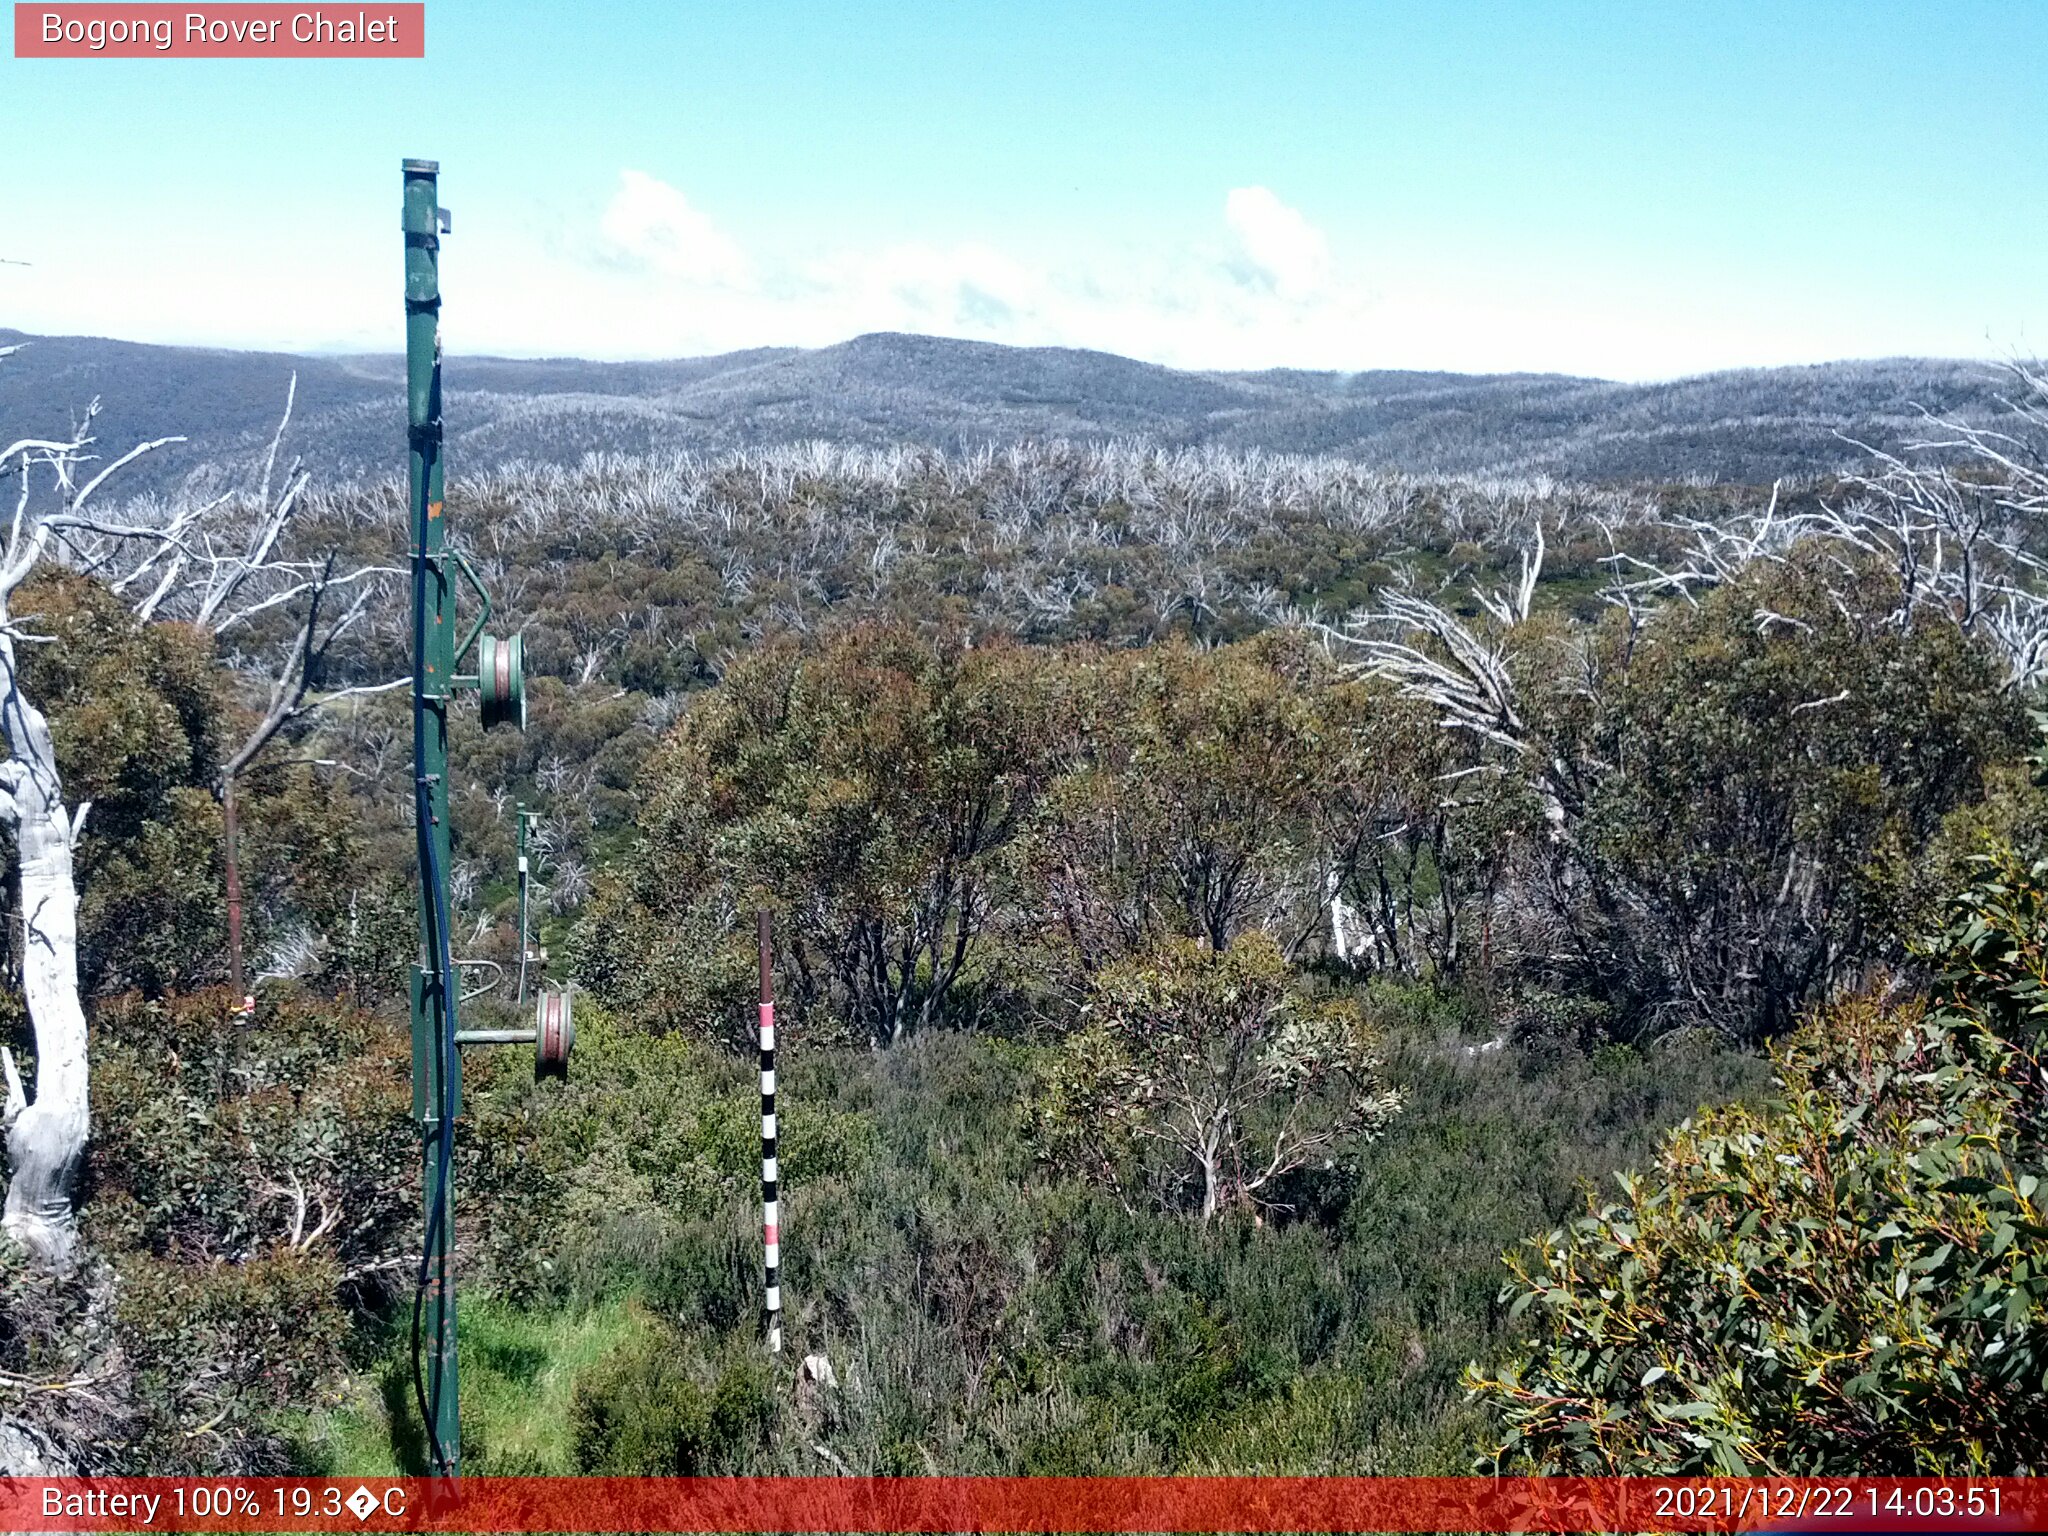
(436, 1069)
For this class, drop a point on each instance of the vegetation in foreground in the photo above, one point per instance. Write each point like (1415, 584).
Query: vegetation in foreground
(980, 1317)
(1414, 987)
(1848, 1278)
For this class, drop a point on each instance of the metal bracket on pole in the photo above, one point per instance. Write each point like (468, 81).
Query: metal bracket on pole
(476, 585)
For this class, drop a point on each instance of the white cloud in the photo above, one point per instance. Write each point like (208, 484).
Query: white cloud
(967, 289)
(1287, 251)
(645, 272)
(661, 277)
(650, 223)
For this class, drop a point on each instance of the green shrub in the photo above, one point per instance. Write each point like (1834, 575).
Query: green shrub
(1846, 1282)
(643, 1412)
(249, 1182)
(1210, 1071)
(579, 1189)
(219, 1139)
(983, 1318)
(707, 1273)
(1751, 786)
(217, 1353)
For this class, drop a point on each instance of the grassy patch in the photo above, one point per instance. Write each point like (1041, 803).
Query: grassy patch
(519, 1369)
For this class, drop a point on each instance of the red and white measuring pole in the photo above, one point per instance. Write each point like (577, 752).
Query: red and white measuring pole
(771, 1207)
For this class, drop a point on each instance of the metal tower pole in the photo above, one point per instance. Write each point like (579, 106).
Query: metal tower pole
(435, 987)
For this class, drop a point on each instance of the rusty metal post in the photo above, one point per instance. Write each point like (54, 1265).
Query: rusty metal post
(231, 843)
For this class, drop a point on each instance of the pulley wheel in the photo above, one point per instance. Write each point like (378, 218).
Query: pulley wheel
(554, 1034)
(501, 681)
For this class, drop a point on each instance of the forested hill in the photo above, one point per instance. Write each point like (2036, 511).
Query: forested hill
(1752, 425)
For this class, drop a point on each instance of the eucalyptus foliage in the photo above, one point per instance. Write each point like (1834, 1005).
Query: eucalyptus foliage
(1210, 1071)
(1851, 1280)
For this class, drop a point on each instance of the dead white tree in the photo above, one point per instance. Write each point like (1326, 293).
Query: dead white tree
(184, 560)
(245, 577)
(1461, 669)
(1333, 897)
(46, 1135)
(1956, 516)
(1959, 514)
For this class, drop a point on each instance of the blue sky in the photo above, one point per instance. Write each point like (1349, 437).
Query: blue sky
(1632, 190)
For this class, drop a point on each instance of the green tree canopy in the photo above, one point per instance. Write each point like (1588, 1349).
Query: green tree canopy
(1850, 1281)
(1756, 779)
(864, 790)
(140, 714)
(1209, 1071)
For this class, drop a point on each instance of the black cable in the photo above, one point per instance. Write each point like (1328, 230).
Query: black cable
(445, 1152)
(419, 1388)
(429, 1402)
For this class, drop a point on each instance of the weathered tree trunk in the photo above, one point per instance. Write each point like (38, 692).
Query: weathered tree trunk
(46, 1138)
(25, 1451)
(1209, 1154)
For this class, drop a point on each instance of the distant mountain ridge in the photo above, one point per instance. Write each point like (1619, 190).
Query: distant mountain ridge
(1750, 425)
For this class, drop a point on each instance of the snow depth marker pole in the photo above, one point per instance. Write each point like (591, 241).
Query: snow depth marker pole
(527, 953)
(771, 1210)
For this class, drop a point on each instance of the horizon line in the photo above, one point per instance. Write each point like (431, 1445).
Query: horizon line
(336, 352)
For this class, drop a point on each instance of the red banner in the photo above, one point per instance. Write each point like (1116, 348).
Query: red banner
(236, 31)
(1104, 1504)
